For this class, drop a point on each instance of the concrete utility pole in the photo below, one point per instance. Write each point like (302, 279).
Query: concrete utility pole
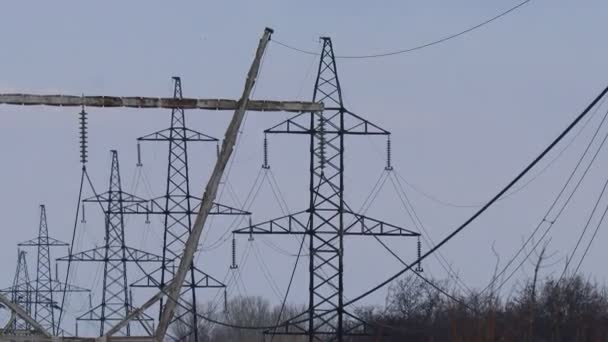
(212, 186)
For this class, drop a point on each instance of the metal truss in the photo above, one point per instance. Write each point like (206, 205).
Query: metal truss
(46, 289)
(177, 207)
(21, 294)
(328, 218)
(116, 300)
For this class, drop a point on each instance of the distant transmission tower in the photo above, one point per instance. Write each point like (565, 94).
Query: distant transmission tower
(115, 301)
(46, 289)
(21, 294)
(177, 207)
(328, 218)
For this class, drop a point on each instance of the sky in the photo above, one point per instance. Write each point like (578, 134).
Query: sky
(466, 116)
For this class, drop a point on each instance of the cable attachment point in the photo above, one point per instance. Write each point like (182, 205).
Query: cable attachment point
(265, 165)
(389, 155)
(139, 163)
(83, 136)
(84, 216)
(225, 301)
(250, 230)
(234, 266)
(147, 214)
(419, 264)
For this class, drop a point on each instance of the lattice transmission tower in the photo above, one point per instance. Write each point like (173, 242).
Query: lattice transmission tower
(21, 294)
(47, 289)
(328, 218)
(177, 207)
(116, 301)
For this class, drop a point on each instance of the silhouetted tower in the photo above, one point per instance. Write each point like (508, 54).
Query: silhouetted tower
(177, 206)
(328, 218)
(115, 300)
(21, 294)
(45, 296)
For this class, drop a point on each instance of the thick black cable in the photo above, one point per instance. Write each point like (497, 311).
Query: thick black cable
(489, 203)
(443, 262)
(416, 273)
(423, 278)
(546, 219)
(419, 47)
(67, 273)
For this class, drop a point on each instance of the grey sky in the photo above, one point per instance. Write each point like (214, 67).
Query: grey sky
(465, 115)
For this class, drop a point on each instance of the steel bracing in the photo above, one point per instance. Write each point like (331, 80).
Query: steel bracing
(177, 207)
(46, 289)
(328, 218)
(115, 301)
(22, 295)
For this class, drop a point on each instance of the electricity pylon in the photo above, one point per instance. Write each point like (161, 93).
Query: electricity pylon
(21, 294)
(328, 219)
(115, 301)
(47, 289)
(177, 207)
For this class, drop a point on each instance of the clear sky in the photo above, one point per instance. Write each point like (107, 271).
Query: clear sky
(466, 115)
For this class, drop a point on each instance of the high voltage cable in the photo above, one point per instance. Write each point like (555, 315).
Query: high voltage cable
(443, 262)
(436, 287)
(595, 207)
(489, 203)
(67, 273)
(418, 47)
(546, 219)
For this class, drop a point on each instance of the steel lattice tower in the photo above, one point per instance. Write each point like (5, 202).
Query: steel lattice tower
(177, 207)
(45, 289)
(21, 294)
(328, 219)
(115, 302)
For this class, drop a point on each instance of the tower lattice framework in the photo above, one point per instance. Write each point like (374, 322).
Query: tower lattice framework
(177, 207)
(116, 302)
(21, 294)
(328, 219)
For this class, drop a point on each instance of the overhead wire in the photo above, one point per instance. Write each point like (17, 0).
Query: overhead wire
(591, 215)
(427, 238)
(517, 189)
(414, 48)
(551, 222)
(283, 303)
(67, 273)
(490, 202)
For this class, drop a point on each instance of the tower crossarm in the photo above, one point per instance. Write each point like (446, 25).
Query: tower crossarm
(98, 254)
(202, 279)
(289, 224)
(188, 135)
(105, 197)
(156, 206)
(56, 286)
(357, 224)
(353, 125)
(41, 241)
(298, 223)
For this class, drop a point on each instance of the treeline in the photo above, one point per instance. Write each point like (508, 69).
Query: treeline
(571, 309)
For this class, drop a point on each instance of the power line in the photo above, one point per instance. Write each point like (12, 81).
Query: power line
(546, 219)
(418, 47)
(489, 203)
